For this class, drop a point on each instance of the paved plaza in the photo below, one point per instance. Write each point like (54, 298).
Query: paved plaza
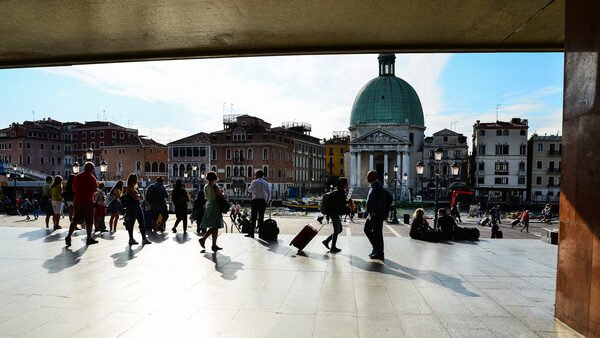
(172, 288)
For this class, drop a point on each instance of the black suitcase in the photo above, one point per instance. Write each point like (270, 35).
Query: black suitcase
(467, 234)
(499, 234)
(485, 221)
(268, 231)
(304, 237)
(515, 222)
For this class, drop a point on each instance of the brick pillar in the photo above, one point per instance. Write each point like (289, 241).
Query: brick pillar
(578, 277)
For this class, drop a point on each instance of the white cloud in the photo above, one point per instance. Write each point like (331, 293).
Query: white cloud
(319, 90)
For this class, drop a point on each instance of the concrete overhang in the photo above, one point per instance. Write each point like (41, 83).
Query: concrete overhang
(53, 32)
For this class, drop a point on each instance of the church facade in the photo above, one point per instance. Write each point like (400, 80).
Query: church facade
(386, 129)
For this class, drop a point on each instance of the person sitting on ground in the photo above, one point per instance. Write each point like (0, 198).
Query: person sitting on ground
(419, 224)
(446, 223)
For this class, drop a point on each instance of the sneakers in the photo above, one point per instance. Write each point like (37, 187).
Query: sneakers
(335, 250)
(90, 241)
(68, 241)
(326, 243)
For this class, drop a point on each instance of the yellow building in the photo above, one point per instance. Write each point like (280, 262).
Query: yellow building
(336, 149)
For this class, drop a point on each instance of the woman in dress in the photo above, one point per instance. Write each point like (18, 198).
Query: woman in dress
(134, 210)
(180, 199)
(213, 218)
(114, 204)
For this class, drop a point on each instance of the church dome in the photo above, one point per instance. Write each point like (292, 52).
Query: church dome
(387, 99)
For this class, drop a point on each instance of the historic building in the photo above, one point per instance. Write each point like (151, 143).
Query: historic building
(96, 135)
(246, 144)
(543, 168)
(139, 155)
(454, 150)
(500, 160)
(386, 128)
(190, 158)
(336, 150)
(40, 145)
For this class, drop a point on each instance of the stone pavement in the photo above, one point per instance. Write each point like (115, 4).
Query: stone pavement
(254, 289)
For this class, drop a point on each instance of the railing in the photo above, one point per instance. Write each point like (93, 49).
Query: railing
(554, 152)
(554, 170)
(501, 172)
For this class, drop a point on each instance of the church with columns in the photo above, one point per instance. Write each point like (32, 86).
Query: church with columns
(386, 130)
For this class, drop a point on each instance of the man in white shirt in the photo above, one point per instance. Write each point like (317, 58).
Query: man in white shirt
(261, 194)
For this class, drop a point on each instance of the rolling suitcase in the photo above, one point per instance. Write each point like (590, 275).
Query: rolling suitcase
(515, 222)
(485, 221)
(499, 234)
(304, 237)
(268, 231)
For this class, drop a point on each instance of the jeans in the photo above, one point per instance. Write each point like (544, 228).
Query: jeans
(133, 214)
(337, 229)
(374, 231)
(258, 207)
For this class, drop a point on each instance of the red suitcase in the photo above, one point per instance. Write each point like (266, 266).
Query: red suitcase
(304, 237)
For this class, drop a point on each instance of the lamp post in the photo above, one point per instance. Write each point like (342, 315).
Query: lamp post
(75, 168)
(194, 179)
(437, 156)
(394, 212)
(103, 169)
(89, 155)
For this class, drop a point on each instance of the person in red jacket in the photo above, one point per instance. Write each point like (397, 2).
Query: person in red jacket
(84, 187)
(525, 221)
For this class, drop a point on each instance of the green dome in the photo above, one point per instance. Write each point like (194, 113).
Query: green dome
(387, 99)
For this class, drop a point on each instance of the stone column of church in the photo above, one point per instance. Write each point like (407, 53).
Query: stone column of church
(358, 168)
(352, 168)
(385, 168)
(405, 167)
(398, 163)
(371, 161)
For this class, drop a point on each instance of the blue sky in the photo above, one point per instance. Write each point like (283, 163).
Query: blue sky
(168, 100)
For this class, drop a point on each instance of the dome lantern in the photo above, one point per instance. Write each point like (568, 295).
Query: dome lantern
(387, 64)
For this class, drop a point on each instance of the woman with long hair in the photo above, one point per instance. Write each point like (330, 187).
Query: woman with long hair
(419, 224)
(114, 205)
(180, 199)
(68, 196)
(133, 197)
(213, 218)
(56, 200)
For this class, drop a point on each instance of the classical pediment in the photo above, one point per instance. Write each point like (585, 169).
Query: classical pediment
(379, 136)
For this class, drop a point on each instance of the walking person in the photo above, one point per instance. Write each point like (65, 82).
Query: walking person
(56, 200)
(377, 213)
(114, 205)
(36, 209)
(84, 186)
(132, 198)
(495, 228)
(68, 196)
(259, 188)
(180, 199)
(100, 209)
(45, 203)
(337, 208)
(26, 209)
(198, 210)
(156, 197)
(525, 221)
(212, 219)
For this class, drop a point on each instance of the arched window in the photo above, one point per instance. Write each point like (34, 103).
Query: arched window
(236, 171)
(147, 166)
(250, 171)
(42, 160)
(188, 169)
(119, 168)
(138, 167)
(28, 159)
(214, 154)
(203, 168)
(175, 170)
(228, 154)
(250, 155)
(154, 167)
(266, 171)
(181, 170)
(214, 169)
(228, 171)
(162, 167)
(53, 160)
(242, 171)
(265, 154)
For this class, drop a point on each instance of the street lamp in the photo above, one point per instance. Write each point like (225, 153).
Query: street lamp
(75, 168)
(194, 178)
(103, 169)
(89, 155)
(437, 156)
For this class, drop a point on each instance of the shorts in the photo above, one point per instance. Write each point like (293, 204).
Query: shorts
(83, 213)
(57, 207)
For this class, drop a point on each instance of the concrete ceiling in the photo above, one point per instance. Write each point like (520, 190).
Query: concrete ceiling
(53, 32)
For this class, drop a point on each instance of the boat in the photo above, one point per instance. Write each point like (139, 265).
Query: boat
(301, 206)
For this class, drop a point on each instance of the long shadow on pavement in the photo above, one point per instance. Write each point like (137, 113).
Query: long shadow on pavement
(36, 234)
(66, 259)
(224, 265)
(121, 259)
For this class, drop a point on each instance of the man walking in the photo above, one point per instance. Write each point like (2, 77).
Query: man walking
(376, 208)
(259, 188)
(337, 207)
(84, 187)
(157, 196)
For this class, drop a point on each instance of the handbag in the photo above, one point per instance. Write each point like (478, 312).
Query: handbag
(221, 202)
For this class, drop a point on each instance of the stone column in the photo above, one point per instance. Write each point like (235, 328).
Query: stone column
(358, 168)
(405, 166)
(385, 169)
(578, 271)
(352, 168)
(371, 161)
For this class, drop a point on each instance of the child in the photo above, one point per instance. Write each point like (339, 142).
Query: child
(36, 209)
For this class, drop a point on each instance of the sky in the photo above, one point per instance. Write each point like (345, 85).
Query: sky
(169, 100)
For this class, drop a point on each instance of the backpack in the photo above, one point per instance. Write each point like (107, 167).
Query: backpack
(325, 204)
(152, 194)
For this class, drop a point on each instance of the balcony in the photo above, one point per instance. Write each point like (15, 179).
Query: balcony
(238, 178)
(501, 172)
(554, 152)
(554, 170)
